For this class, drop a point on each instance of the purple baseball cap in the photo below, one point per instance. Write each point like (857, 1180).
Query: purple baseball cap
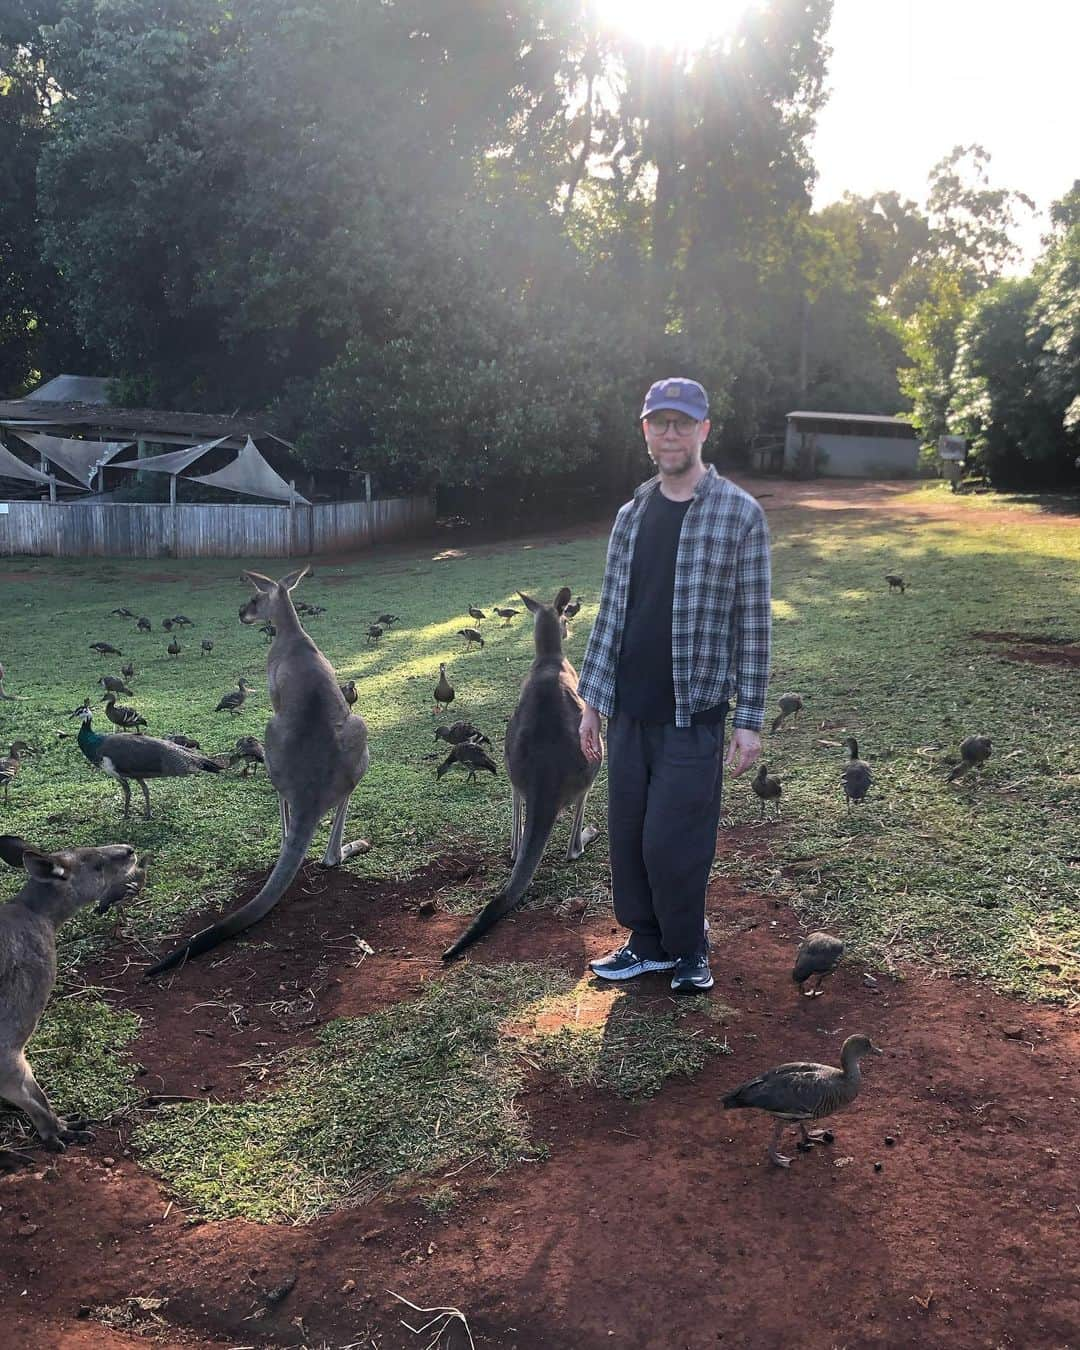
(685, 396)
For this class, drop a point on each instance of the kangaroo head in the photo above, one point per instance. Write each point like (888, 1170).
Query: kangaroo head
(269, 595)
(546, 627)
(76, 877)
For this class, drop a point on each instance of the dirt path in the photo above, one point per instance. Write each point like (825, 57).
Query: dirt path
(656, 1224)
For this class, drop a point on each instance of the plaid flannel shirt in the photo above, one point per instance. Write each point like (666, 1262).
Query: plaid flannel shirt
(721, 614)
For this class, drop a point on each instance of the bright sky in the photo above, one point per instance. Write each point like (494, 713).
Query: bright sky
(912, 78)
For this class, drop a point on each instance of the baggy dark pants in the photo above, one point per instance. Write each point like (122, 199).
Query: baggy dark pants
(664, 785)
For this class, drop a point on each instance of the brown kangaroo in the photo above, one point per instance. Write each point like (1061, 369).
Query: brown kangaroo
(316, 754)
(58, 884)
(544, 763)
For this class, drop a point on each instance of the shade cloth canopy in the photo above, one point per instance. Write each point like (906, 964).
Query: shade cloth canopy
(250, 473)
(81, 459)
(11, 466)
(174, 462)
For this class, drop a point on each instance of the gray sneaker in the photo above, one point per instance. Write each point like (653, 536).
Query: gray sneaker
(625, 964)
(692, 975)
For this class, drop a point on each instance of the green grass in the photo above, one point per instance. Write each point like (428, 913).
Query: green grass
(979, 877)
(406, 1093)
(79, 1057)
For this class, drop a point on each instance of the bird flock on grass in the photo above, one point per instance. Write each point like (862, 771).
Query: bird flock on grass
(793, 1094)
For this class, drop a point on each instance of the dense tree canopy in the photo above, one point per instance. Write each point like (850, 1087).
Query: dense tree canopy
(452, 243)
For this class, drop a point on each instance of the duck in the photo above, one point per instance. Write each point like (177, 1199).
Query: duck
(797, 1092)
(457, 733)
(114, 684)
(573, 609)
(105, 649)
(144, 625)
(167, 624)
(819, 954)
(348, 692)
(128, 670)
(173, 648)
(387, 619)
(855, 775)
(183, 621)
(476, 613)
(766, 788)
(506, 614)
(127, 719)
(268, 631)
(471, 636)
(974, 751)
(374, 632)
(121, 613)
(896, 582)
(790, 706)
(233, 701)
(444, 690)
(136, 758)
(469, 754)
(9, 765)
(178, 738)
(207, 646)
(249, 751)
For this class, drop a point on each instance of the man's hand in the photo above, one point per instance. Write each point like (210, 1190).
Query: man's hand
(744, 749)
(589, 733)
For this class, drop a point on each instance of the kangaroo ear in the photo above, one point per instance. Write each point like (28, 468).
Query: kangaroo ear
(562, 599)
(258, 581)
(43, 866)
(289, 583)
(530, 604)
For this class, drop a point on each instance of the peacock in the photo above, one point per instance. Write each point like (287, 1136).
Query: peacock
(137, 758)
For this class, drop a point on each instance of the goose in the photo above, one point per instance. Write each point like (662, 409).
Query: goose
(896, 582)
(444, 690)
(974, 751)
(144, 625)
(387, 619)
(105, 649)
(233, 701)
(471, 755)
(207, 645)
(9, 765)
(819, 954)
(374, 632)
(766, 788)
(789, 704)
(114, 684)
(122, 613)
(795, 1093)
(855, 775)
(348, 692)
(471, 636)
(476, 613)
(457, 733)
(128, 670)
(248, 750)
(572, 610)
(506, 614)
(127, 719)
(173, 648)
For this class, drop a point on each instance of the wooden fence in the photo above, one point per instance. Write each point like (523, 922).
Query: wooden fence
(143, 530)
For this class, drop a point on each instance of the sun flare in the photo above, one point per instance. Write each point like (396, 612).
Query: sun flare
(684, 25)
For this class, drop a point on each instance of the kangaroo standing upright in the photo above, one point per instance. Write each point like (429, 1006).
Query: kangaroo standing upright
(544, 763)
(58, 884)
(316, 753)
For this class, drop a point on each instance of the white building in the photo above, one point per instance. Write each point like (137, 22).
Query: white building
(850, 445)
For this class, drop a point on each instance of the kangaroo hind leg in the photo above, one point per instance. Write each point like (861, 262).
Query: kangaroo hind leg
(579, 839)
(336, 852)
(19, 1086)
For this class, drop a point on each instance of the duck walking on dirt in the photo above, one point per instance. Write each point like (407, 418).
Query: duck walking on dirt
(819, 954)
(799, 1092)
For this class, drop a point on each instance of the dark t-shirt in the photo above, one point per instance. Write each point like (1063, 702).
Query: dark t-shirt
(644, 685)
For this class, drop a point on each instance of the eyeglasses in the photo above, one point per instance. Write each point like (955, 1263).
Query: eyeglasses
(658, 424)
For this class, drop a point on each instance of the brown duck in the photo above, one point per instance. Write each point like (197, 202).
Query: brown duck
(796, 1093)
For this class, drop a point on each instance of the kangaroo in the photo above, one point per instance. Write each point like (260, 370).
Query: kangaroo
(544, 763)
(57, 885)
(316, 754)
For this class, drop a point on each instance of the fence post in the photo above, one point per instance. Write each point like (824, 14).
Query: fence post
(292, 516)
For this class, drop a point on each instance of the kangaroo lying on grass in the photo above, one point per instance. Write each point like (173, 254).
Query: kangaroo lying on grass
(58, 884)
(316, 753)
(544, 763)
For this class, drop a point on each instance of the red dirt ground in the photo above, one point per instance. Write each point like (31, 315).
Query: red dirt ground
(1040, 650)
(654, 1224)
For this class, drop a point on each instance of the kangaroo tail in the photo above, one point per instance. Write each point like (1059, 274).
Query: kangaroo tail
(294, 850)
(539, 822)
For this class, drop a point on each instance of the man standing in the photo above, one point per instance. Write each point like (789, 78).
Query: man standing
(683, 626)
